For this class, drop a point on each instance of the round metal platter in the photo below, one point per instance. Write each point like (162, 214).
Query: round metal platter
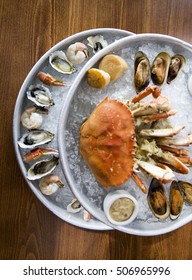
(81, 101)
(57, 203)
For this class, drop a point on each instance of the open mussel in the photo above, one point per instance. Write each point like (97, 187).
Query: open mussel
(42, 168)
(157, 200)
(176, 200)
(34, 138)
(160, 68)
(40, 95)
(60, 63)
(187, 191)
(141, 71)
(177, 62)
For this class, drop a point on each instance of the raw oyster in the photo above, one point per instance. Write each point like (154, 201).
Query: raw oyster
(160, 67)
(176, 200)
(34, 138)
(157, 200)
(141, 71)
(40, 95)
(42, 168)
(97, 43)
(50, 184)
(60, 62)
(74, 206)
(187, 190)
(177, 62)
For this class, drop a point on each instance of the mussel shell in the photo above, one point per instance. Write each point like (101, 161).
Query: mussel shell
(34, 138)
(187, 191)
(160, 68)
(42, 168)
(176, 200)
(157, 200)
(60, 63)
(40, 95)
(177, 62)
(141, 71)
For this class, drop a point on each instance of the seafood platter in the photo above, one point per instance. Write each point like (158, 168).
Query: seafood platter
(36, 118)
(125, 135)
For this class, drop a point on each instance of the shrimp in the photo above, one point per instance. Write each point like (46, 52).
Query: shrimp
(31, 118)
(77, 53)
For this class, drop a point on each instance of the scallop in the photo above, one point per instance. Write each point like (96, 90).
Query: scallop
(157, 200)
(42, 168)
(141, 71)
(36, 137)
(177, 63)
(176, 200)
(160, 68)
(60, 63)
(40, 95)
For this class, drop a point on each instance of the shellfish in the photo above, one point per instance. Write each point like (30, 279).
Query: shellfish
(157, 200)
(97, 43)
(39, 152)
(50, 184)
(31, 119)
(60, 63)
(36, 137)
(42, 168)
(77, 53)
(177, 62)
(187, 190)
(176, 200)
(48, 79)
(40, 95)
(160, 68)
(74, 206)
(141, 71)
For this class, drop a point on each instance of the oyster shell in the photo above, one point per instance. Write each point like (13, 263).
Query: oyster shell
(33, 138)
(160, 68)
(176, 200)
(177, 62)
(74, 206)
(60, 63)
(42, 168)
(187, 190)
(40, 95)
(157, 200)
(141, 71)
(97, 43)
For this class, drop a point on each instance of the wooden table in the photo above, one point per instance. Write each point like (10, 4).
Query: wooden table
(28, 230)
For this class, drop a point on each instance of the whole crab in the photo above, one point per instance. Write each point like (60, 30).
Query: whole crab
(120, 138)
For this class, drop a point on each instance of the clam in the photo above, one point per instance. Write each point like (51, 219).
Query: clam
(42, 168)
(176, 200)
(60, 63)
(177, 62)
(157, 200)
(187, 190)
(141, 71)
(50, 184)
(74, 206)
(160, 68)
(40, 95)
(97, 43)
(36, 137)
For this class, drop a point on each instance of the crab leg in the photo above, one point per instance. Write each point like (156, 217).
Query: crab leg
(185, 141)
(163, 132)
(176, 151)
(158, 171)
(39, 152)
(152, 118)
(139, 182)
(185, 159)
(154, 90)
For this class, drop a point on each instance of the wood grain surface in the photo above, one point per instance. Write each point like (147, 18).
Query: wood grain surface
(28, 230)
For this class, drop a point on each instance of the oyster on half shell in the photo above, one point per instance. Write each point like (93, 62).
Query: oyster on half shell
(35, 137)
(60, 63)
(40, 95)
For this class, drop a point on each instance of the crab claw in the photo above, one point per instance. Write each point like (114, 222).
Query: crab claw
(159, 171)
(139, 182)
(49, 80)
(39, 152)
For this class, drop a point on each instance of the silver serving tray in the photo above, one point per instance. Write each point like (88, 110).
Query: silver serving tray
(76, 173)
(57, 203)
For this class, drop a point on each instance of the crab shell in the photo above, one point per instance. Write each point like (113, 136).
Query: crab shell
(107, 142)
